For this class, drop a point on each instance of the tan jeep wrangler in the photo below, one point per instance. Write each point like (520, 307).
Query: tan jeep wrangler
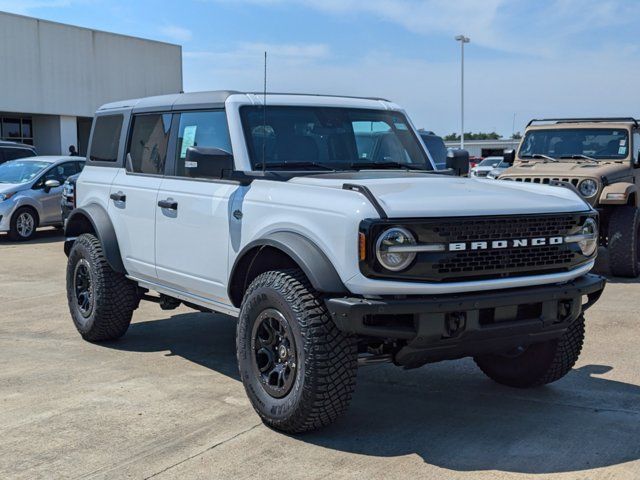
(600, 158)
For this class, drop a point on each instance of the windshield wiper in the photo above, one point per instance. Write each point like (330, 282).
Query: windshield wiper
(579, 156)
(258, 166)
(540, 157)
(386, 165)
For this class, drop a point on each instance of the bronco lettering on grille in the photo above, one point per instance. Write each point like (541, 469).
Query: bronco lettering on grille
(511, 243)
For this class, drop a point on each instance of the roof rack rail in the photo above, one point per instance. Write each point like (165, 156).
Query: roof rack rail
(586, 119)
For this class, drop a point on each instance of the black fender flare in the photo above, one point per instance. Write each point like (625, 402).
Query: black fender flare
(306, 254)
(101, 225)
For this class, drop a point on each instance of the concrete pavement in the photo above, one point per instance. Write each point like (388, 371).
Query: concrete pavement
(165, 401)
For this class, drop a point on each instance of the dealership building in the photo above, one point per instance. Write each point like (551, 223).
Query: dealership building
(55, 76)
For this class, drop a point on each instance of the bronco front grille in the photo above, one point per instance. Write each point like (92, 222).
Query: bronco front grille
(486, 263)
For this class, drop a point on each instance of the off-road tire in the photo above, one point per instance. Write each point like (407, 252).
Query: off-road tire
(540, 363)
(113, 298)
(14, 234)
(327, 359)
(624, 241)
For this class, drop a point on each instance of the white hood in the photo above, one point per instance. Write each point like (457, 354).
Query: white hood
(405, 195)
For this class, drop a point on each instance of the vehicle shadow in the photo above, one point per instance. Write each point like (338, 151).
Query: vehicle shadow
(46, 235)
(448, 414)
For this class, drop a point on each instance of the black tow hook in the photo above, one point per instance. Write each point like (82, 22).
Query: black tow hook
(454, 324)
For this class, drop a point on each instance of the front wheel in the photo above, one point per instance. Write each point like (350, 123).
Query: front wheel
(298, 369)
(536, 364)
(23, 224)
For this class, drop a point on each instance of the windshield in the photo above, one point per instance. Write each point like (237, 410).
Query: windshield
(437, 149)
(20, 171)
(490, 162)
(322, 138)
(594, 143)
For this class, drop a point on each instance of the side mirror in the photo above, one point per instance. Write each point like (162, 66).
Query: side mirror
(509, 157)
(50, 184)
(202, 162)
(458, 161)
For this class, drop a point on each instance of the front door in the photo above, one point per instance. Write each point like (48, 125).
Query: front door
(192, 217)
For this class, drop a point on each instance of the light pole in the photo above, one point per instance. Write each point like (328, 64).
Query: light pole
(462, 39)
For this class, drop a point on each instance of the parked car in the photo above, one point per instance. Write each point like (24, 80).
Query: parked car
(498, 170)
(13, 150)
(327, 259)
(600, 158)
(68, 197)
(30, 191)
(483, 168)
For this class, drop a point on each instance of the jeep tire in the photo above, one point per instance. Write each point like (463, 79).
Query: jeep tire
(101, 300)
(536, 364)
(624, 241)
(298, 369)
(24, 223)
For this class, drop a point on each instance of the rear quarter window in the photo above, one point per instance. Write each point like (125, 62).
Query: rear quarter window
(106, 138)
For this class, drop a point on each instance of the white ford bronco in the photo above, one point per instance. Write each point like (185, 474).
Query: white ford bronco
(320, 223)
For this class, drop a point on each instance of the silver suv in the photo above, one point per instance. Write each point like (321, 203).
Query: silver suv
(30, 192)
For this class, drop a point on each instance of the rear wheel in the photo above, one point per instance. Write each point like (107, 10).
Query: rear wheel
(624, 241)
(23, 224)
(101, 300)
(536, 364)
(298, 369)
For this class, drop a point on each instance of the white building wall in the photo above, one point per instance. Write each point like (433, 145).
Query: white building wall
(56, 69)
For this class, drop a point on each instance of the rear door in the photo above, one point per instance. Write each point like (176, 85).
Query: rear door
(192, 239)
(134, 191)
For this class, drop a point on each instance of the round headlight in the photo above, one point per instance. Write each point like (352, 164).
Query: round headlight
(389, 249)
(588, 188)
(589, 245)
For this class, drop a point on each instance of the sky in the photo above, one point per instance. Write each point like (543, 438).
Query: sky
(527, 59)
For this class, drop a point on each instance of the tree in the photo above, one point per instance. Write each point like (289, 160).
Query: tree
(516, 136)
(473, 136)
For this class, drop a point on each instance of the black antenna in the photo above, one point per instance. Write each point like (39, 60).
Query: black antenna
(264, 117)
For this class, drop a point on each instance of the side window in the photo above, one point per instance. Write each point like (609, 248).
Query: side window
(200, 129)
(79, 166)
(62, 172)
(148, 143)
(636, 146)
(106, 138)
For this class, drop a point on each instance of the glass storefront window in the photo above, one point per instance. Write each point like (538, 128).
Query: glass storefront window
(16, 129)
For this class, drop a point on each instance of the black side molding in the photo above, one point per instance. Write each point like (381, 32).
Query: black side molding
(369, 195)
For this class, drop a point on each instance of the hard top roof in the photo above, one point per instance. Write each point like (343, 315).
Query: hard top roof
(559, 121)
(177, 101)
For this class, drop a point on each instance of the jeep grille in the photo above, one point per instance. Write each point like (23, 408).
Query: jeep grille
(543, 180)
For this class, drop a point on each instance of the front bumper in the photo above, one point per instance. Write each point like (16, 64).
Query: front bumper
(443, 327)
(6, 210)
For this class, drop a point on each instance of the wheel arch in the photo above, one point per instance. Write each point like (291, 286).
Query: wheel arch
(629, 192)
(94, 219)
(283, 250)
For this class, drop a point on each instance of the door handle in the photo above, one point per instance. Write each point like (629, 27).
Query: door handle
(118, 197)
(168, 204)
